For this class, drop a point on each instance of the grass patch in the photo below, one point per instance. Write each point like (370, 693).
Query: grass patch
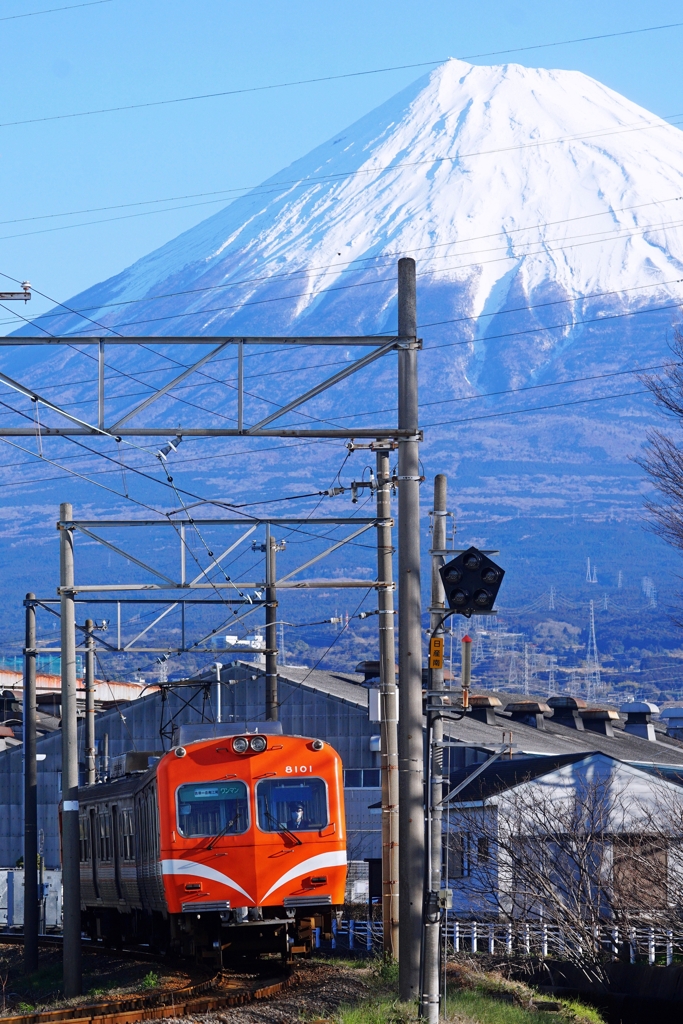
(582, 1012)
(473, 997)
(150, 980)
(487, 1009)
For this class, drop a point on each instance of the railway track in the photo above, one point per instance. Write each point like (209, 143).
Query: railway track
(213, 993)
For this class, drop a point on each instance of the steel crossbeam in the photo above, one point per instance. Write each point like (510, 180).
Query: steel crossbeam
(381, 345)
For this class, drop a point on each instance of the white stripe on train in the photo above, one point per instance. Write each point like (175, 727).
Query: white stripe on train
(191, 867)
(322, 860)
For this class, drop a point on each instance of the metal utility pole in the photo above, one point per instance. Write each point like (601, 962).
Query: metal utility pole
(272, 705)
(429, 1008)
(31, 921)
(388, 709)
(90, 702)
(410, 752)
(70, 860)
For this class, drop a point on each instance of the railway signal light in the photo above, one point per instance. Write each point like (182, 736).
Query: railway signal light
(471, 582)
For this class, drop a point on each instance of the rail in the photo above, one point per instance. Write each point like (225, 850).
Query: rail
(205, 996)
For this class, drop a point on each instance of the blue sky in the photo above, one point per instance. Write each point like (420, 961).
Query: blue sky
(132, 51)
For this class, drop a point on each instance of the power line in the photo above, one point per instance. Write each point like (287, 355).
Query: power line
(526, 387)
(351, 266)
(331, 78)
(539, 408)
(54, 10)
(379, 281)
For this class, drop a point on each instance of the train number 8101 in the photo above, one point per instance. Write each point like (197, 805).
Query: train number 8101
(301, 769)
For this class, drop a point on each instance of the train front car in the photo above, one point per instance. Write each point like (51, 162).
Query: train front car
(253, 842)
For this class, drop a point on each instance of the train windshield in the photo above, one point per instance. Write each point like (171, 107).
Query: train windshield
(291, 805)
(213, 808)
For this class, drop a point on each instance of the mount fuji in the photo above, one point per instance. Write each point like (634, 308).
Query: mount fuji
(545, 215)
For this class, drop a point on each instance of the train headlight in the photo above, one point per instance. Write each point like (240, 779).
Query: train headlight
(240, 745)
(180, 751)
(258, 744)
(317, 744)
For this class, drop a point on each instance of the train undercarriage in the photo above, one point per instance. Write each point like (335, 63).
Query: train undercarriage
(216, 938)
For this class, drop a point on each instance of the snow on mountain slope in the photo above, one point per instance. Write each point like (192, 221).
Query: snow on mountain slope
(499, 180)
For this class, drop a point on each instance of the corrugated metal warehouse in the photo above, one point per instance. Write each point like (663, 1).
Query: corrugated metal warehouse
(328, 705)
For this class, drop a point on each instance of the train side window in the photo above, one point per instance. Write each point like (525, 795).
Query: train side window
(84, 838)
(105, 851)
(126, 834)
(291, 805)
(212, 808)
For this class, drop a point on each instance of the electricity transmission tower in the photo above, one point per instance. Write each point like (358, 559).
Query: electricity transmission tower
(512, 672)
(593, 685)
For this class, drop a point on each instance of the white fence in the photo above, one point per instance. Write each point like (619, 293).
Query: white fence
(538, 939)
(657, 945)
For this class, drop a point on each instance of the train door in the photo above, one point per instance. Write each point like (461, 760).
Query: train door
(94, 849)
(115, 827)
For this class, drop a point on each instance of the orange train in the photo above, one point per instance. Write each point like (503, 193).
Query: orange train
(230, 845)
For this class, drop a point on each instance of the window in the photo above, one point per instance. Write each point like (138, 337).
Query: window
(105, 850)
(83, 839)
(483, 853)
(212, 809)
(457, 858)
(126, 834)
(291, 805)
(366, 778)
(640, 871)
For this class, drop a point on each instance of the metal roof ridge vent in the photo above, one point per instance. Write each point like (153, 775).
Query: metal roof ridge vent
(599, 720)
(638, 722)
(566, 711)
(674, 722)
(529, 712)
(484, 708)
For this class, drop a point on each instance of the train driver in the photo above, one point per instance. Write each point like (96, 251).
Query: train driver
(298, 819)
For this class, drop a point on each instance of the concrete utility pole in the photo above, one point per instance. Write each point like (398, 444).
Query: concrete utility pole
(90, 702)
(272, 705)
(410, 752)
(31, 917)
(430, 990)
(71, 881)
(388, 710)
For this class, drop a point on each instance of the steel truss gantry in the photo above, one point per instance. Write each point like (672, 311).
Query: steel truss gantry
(75, 426)
(183, 599)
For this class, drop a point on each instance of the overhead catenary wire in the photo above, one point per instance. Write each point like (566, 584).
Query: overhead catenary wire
(332, 78)
(348, 287)
(352, 266)
(54, 10)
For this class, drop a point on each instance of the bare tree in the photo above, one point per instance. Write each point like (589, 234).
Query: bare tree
(664, 458)
(575, 857)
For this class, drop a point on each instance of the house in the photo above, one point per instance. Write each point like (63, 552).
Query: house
(571, 839)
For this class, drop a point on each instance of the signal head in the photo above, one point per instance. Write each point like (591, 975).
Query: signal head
(471, 582)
